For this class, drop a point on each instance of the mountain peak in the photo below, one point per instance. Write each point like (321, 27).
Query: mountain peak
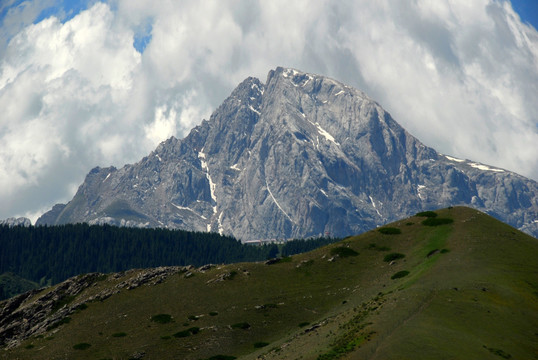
(301, 155)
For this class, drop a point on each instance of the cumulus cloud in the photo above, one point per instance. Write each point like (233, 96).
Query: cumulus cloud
(104, 87)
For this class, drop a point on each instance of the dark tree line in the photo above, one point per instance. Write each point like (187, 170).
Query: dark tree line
(298, 246)
(51, 254)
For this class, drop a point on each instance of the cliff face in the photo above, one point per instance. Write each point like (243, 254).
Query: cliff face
(300, 155)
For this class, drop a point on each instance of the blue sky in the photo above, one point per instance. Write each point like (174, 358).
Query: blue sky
(87, 83)
(527, 10)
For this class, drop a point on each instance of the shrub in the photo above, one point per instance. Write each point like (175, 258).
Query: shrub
(193, 317)
(389, 230)
(65, 320)
(166, 337)
(119, 334)
(377, 248)
(182, 334)
(213, 313)
(303, 324)
(499, 352)
(162, 318)
(222, 357)
(433, 252)
(82, 307)
(343, 251)
(400, 274)
(194, 330)
(29, 346)
(444, 251)
(260, 344)
(428, 214)
(81, 346)
(437, 221)
(393, 256)
(241, 325)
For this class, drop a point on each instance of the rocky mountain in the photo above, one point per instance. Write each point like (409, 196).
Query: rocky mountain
(300, 155)
(12, 221)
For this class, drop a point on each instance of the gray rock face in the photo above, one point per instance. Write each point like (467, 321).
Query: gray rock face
(21, 221)
(300, 155)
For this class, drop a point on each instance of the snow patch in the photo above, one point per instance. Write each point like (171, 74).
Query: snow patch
(340, 92)
(256, 111)
(235, 167)
(373, 204)
(219, 221)
(420, 187)
(107, 177)
(289, 72)
(158, 157)
(324, 133)
(276, 202)
(454, 159)
(203, 163)
(255, 86)
(323, 192)
(485, 167)
(188, 209)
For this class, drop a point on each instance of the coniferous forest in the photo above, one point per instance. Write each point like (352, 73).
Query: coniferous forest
(54, 253)
(50, 254)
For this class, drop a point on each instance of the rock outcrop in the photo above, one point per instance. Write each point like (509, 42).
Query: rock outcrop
(37, 311)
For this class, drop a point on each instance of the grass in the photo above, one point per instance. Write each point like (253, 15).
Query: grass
(343, 308)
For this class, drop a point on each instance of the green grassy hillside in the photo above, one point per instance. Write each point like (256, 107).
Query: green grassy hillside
(466, 289)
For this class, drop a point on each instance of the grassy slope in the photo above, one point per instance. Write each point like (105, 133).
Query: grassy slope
(361, 312)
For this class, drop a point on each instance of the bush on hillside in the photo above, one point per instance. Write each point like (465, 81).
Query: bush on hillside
(400, 274)
(241, 325)
(393, 256)
(343, 251)
(81, 346)
(389, 230)
(428, 214)
(162, 318)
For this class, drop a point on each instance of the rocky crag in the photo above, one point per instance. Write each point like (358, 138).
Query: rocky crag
(38, 311)
(298, 156)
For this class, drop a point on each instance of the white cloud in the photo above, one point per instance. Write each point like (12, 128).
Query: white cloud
(461, 76)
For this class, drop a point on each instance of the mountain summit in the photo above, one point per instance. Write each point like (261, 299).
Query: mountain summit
(298, 156)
